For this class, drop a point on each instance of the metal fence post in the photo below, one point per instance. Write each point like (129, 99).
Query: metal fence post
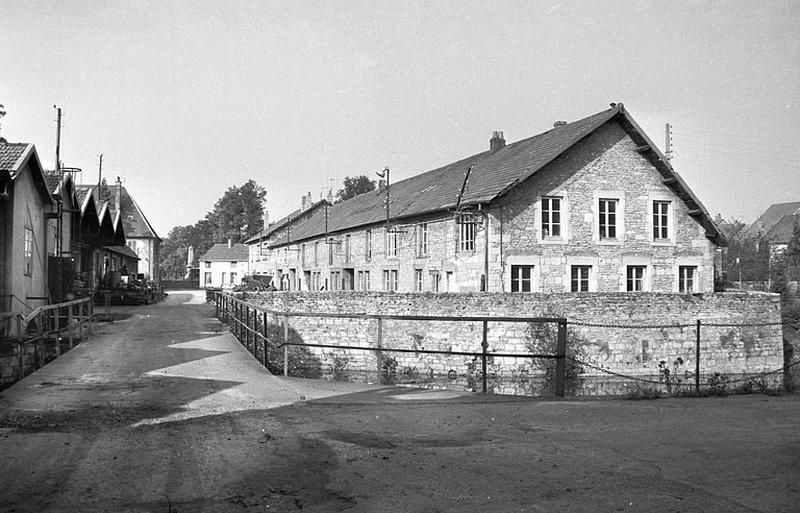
(697, 360)
(285, 347)
(379, 353)
(561, 357)
(484, 355)
(265, 339)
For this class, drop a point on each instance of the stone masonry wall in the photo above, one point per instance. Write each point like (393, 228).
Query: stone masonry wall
(637, 336)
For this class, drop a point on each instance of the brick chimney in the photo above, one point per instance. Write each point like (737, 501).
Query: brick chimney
(497, 141)
(117, 195)
(305, 201)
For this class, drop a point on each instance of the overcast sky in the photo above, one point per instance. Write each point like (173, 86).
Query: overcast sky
(186, 99)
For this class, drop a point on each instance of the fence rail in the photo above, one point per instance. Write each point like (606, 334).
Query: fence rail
(264, 330)
(47, 324)
(250, 325)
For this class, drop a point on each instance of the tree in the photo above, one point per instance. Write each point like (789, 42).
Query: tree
(237, 215)
(2, 113)
(747, 259)
(353, 186)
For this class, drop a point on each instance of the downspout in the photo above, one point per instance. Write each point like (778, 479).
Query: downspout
(485, 249)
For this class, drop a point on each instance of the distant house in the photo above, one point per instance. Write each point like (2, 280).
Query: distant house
(771, 216)
(224, 265)
(25, 201)
(587, 206)
(781, 233)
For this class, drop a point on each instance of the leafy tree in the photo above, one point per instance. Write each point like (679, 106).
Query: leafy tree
(237, 215)
(792, 254)
(746, 260)
(2, 113)
(353, 186)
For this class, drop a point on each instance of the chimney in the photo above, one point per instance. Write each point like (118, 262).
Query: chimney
(266, 218)
(117, 195)
(497, 141)
(559, 123)
(305, 202)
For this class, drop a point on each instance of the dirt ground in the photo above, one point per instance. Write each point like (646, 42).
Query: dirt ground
(171, 415)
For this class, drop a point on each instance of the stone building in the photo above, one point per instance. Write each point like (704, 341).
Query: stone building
(588, 206)
(224, 265)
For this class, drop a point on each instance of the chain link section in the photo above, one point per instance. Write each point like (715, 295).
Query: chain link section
(628, 326)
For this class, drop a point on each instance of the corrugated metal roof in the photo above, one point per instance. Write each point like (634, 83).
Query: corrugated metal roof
(223, 253)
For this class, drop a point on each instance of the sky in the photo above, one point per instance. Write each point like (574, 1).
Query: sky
(187, 99)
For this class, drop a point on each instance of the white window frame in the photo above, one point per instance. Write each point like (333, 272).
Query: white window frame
(390, 280)
(563, 223)
(367, 245)
(619, 221)
(392, 240)
(519, 280)
(467, 232)
(419, 281)
(422, 239)
(658, 197)
(435, 280)
(28, 251)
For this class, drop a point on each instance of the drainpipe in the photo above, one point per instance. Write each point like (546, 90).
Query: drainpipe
(485, 249)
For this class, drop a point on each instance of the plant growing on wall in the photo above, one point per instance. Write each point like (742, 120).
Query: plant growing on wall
(542, 338)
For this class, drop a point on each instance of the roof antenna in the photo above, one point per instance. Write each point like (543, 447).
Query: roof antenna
(668, 135)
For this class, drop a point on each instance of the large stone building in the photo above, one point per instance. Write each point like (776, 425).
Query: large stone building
(588, 206)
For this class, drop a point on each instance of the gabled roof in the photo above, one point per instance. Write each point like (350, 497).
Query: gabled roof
(783, 230)
(14, 156)
(224, 253)
(133, 219)
(124, 251)
(493, 174)
(770, 218)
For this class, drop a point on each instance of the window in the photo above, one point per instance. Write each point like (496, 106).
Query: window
(336, 280)
(521, 278)
(418, 283)
(347, 254)
(390, 280)
(363, 280)
(436, 281)
(608, 218)
(686, 279)
(222, 281)
(208, 264)
(368, 245)
(422, 239)
(391, 242)
(330, 244)
(316, 253)
(233, 264)
(635, 278)
(303, 254)
(551, 217)
(660, 220)
(207, 279)
(580, 278)
(233, 278)
(466, 233)
(28, 251)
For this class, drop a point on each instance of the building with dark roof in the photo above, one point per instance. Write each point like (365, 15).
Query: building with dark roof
(591, 205)
(224, 265)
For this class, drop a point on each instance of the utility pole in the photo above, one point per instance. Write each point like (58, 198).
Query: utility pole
(100, 173)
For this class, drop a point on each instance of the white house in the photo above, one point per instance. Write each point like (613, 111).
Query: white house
(224, 265)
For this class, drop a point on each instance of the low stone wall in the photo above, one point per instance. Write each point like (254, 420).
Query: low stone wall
(620, 343)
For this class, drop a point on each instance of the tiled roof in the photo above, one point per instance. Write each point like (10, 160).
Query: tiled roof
(133, 219)
(11, 155)
(53, 179)
(223, 253)
(782, 231)
(492, 174)
(83, 193)
(770, 218)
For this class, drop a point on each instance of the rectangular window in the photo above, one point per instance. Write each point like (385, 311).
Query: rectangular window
(436, 281)
(686, 279)
(418, 280)
(222, 281)
(551, 217)
(422, 239)
(347, 254)
(368, 245)
(521, 278)
(330, 244)
(363, 280)
(207, 279)
(580, 278)
(635, 278)
(390, 280)
(608, 218)
(391, 242)
(316, 253)
(660, 220)
(466, 233)
(28, 251)
(208, 265)
(233, 278)
(233, 264)
(336, 280)
(303, 254)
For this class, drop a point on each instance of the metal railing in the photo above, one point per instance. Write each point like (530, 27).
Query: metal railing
(46, 324)
(251, 326)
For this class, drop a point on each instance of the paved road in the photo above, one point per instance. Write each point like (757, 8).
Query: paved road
(164, 411)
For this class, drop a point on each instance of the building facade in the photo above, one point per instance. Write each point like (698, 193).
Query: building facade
(589, 206)
(224, 266)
